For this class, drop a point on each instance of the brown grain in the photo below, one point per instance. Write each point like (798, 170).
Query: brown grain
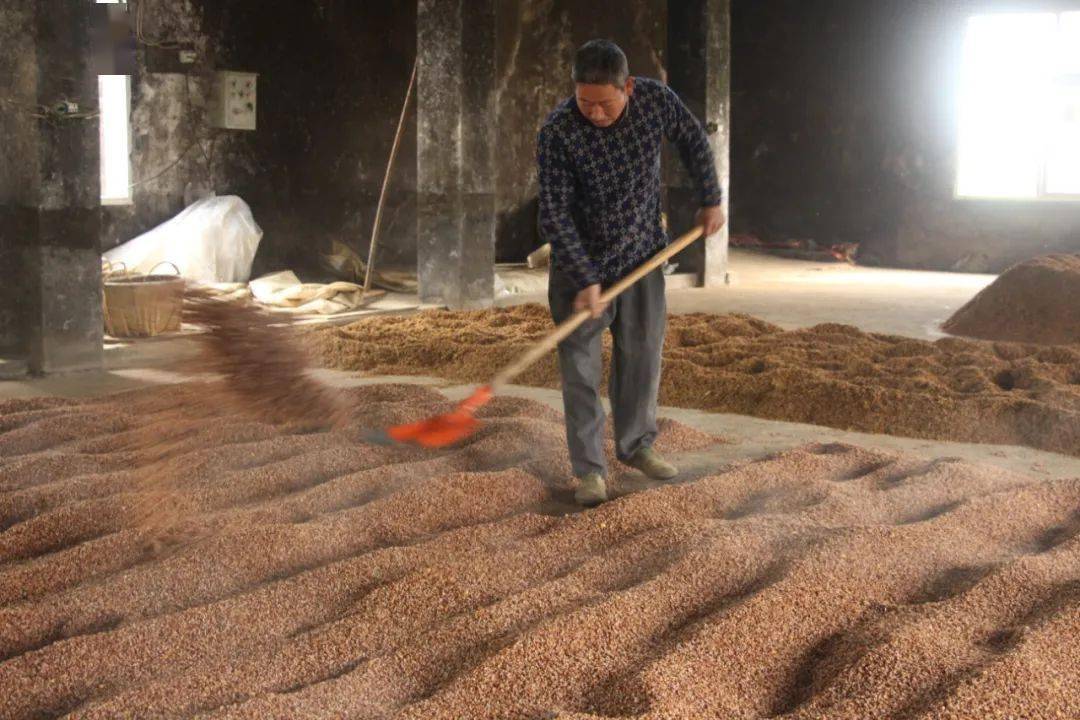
(1037, 301)
(833, 375)
(322, 577)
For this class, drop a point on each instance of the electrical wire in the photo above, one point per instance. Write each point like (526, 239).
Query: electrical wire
(31, 110)
(167, 168)
(45, 112)
(209, 167)
(140, 36)
(197, 140)
(48, 113)
(20, 104)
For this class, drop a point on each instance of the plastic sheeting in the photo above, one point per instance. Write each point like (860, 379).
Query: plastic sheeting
(212, 241)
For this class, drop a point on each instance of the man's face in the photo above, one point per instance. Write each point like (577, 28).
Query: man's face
(603, 104)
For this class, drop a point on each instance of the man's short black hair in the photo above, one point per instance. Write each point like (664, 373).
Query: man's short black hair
(601, 62)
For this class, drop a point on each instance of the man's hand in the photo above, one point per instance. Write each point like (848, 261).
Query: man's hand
(589, 299)
(712, 219)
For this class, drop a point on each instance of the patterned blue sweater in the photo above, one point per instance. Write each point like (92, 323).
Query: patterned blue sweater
(600, 187)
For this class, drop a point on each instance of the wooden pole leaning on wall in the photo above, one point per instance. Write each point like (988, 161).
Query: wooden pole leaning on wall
(386, 183)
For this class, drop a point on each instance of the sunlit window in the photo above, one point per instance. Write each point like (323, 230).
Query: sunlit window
(1020, 106)
(114, 106)
(114, 93)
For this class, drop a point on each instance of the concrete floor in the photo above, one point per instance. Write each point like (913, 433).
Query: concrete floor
(795, 293)
(750, 438)
(120, 353)
(788, 293)
(511, 280)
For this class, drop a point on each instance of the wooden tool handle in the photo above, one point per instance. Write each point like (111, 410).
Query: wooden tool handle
(572, 323)
(386, 184)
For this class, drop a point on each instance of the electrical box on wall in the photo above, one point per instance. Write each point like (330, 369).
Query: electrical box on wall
(178, 58)
(233, 100)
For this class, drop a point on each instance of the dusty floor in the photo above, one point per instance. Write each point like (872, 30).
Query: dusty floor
(160, 559)
(831, 375)
(796, 293)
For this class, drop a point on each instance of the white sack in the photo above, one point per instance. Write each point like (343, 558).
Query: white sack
(212, 241)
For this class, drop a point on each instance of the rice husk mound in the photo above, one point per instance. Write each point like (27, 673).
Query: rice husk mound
(322, 577)
(832, 375)
(1037, 301)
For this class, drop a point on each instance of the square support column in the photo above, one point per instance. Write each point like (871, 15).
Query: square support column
(67, 330)
(699, 70)
(50, 195)
(455, 152)
(19, 131)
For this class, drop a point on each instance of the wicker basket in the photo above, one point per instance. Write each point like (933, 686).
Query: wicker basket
(142, 305)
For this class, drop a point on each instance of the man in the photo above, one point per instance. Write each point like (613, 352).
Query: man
(599, 160)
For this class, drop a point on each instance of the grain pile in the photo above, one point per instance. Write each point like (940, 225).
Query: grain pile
(322, 577)
(1037, 301)
(832, 375)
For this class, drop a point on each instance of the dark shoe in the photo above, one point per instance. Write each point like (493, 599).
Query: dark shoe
(591, 490)
(655, 467)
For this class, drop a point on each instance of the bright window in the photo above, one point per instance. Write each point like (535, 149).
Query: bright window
(1020, 107)
(114, 93)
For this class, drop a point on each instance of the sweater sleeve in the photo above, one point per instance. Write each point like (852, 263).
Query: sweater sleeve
(556, 214)
(684, 130)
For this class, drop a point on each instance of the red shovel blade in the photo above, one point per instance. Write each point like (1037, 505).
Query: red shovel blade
(447, 429)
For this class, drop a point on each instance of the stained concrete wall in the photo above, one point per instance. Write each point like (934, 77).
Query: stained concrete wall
(176, 158)
(535, 44)
(313, 168)
(333, 75)
(18, 167)
(844, 130)
(332, 79)
(699, 62)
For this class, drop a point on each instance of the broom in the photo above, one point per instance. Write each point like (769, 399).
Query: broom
(263, 364)
(443, 430)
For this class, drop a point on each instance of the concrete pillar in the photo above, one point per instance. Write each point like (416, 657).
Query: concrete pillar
(50, 195)
(455, 152)
(18, 173)
(699, 70)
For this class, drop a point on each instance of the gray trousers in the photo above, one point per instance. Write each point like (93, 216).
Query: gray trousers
(637, 319)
